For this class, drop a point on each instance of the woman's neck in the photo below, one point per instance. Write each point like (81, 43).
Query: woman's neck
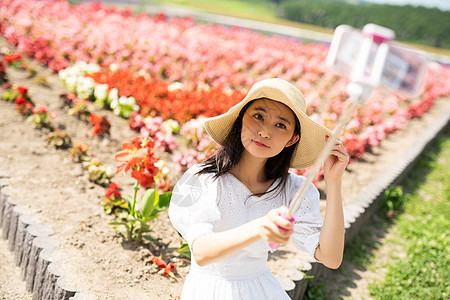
(251, 172)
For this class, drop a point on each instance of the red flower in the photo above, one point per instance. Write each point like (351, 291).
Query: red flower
(145, 179)
(22, 90)
(168, 270)
(40, 109)
(6, 85)
(12, 57)
(95, 119)
(101, 124)
(20, 100)
(129, 159)
(112, 190)
(71, 96)
(138, 156)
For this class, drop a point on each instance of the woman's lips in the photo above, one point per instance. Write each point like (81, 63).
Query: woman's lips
(259, 144)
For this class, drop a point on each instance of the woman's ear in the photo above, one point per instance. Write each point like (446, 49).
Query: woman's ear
(293, 140)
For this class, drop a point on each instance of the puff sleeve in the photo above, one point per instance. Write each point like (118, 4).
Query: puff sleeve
(193, 208)
(308, 223)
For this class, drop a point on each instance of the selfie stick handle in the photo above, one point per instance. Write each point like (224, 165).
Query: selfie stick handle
(300, 195)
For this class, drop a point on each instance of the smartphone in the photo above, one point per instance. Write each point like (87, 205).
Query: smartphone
(376, 62)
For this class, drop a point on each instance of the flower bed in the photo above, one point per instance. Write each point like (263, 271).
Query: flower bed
(182, 76)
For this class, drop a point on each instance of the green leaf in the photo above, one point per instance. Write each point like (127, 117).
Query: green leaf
(152, 217)
(164, 201)
(118, 223)
(149, 201)
(129, 200)
(184, 250)
(149, 238)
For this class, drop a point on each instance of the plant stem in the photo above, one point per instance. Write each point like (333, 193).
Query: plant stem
(136, 188)
(139, 234)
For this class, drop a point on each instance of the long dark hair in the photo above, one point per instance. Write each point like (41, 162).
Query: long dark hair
(229, 155)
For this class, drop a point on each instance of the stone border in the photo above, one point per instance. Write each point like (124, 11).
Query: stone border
(35, 251)
(358, 212)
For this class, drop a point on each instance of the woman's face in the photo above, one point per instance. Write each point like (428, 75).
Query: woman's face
(267, 128)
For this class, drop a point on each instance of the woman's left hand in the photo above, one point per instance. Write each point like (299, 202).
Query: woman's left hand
(336, 163)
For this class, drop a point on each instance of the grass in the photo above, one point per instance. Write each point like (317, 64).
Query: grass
(424, 227)
(252, 10)
(416, 213)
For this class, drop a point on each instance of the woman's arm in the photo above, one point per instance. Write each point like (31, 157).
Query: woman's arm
(213, 247)
(332, 237)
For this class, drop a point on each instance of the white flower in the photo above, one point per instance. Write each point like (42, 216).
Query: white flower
(114, 95)
(175, 86)
(161, 165)
(101, 91)
(85, 87)
(171, 126)
(63, 74)
(91, 68)
(142, 72)
(123, 100)
(113, 67)
(109, 172)
(71, 83)
(114, 103)
(165, 170)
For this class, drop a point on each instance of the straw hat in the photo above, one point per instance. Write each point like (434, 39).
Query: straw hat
(312, 134)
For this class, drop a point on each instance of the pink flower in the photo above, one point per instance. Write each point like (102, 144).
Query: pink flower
(40, 109)
(52, 114)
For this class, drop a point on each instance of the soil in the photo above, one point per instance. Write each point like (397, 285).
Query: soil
(56, 191)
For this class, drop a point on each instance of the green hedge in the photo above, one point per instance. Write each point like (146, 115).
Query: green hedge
(426, 26)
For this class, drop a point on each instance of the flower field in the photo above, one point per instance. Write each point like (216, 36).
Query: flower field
(171, 68)
(162, 76)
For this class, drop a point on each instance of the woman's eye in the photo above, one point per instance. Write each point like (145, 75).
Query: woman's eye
(258, 116)
(281, 125)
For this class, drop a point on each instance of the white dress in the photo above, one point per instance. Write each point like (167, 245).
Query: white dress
(200, 205)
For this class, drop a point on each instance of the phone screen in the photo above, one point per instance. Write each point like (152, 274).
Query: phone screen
(403, 70)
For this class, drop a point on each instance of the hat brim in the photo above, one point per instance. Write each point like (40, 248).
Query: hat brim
(313, 135)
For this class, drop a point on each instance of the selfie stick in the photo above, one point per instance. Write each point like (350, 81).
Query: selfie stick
(359, 89)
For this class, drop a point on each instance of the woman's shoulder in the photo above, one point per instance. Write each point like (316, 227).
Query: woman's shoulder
(294, 181)
(191, 174)
(295, 178)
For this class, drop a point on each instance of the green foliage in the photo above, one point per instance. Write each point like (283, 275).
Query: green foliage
(41, 120)
(136, 222)
(423, 273)
(428, 26)
(97, 172)
(184, 248)
(316, 292)
(59, 139)
(117, 206)
(393, 200)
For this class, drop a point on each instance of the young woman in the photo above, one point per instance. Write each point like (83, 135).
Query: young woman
(228, 208)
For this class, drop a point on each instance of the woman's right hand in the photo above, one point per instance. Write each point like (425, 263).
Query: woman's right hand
(274, 228)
